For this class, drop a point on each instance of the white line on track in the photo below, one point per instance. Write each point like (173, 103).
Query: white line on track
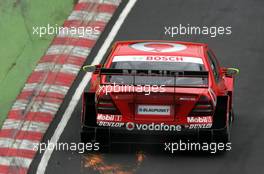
(77, 95)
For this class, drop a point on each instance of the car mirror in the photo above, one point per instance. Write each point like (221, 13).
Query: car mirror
(230, 72)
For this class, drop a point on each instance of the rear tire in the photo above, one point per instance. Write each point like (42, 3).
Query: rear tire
(222, 121)
(221, 136)
(87, 135)
(101, 136)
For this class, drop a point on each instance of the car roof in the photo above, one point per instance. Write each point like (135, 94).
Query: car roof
(159, 48)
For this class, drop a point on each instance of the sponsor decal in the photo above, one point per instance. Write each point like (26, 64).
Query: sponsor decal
(207, 119)
(152, 127)
(108, 117)
(110, 124)
(154, 58)
(153, 110)
(158, 47)
(196, 126)
(130, 126)
(141, 127)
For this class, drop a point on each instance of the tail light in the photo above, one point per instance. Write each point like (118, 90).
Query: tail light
(106, 105)
(203, 107)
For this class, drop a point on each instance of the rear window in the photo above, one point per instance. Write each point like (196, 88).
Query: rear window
(174, 63)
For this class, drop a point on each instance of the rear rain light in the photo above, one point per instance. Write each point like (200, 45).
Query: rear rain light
(106, 105)
(203, 107)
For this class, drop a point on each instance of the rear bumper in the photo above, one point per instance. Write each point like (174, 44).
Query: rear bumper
(121, 135)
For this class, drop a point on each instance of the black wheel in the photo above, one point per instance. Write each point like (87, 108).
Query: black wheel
(222, 121)
(87, 135)
(223, 135)
(205, 136)
(101, 136)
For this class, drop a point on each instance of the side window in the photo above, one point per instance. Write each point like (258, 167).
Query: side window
(214, 66)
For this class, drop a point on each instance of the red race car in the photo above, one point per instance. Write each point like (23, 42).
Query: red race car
(159, 89)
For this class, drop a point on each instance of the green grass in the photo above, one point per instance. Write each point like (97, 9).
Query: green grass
(19, 48)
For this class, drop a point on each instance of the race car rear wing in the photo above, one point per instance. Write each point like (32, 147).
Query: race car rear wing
(154, 73)
(143, 72)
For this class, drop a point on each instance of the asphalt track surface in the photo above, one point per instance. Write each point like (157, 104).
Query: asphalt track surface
(242, 49)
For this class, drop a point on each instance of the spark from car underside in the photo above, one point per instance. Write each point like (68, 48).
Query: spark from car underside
(97, 162)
